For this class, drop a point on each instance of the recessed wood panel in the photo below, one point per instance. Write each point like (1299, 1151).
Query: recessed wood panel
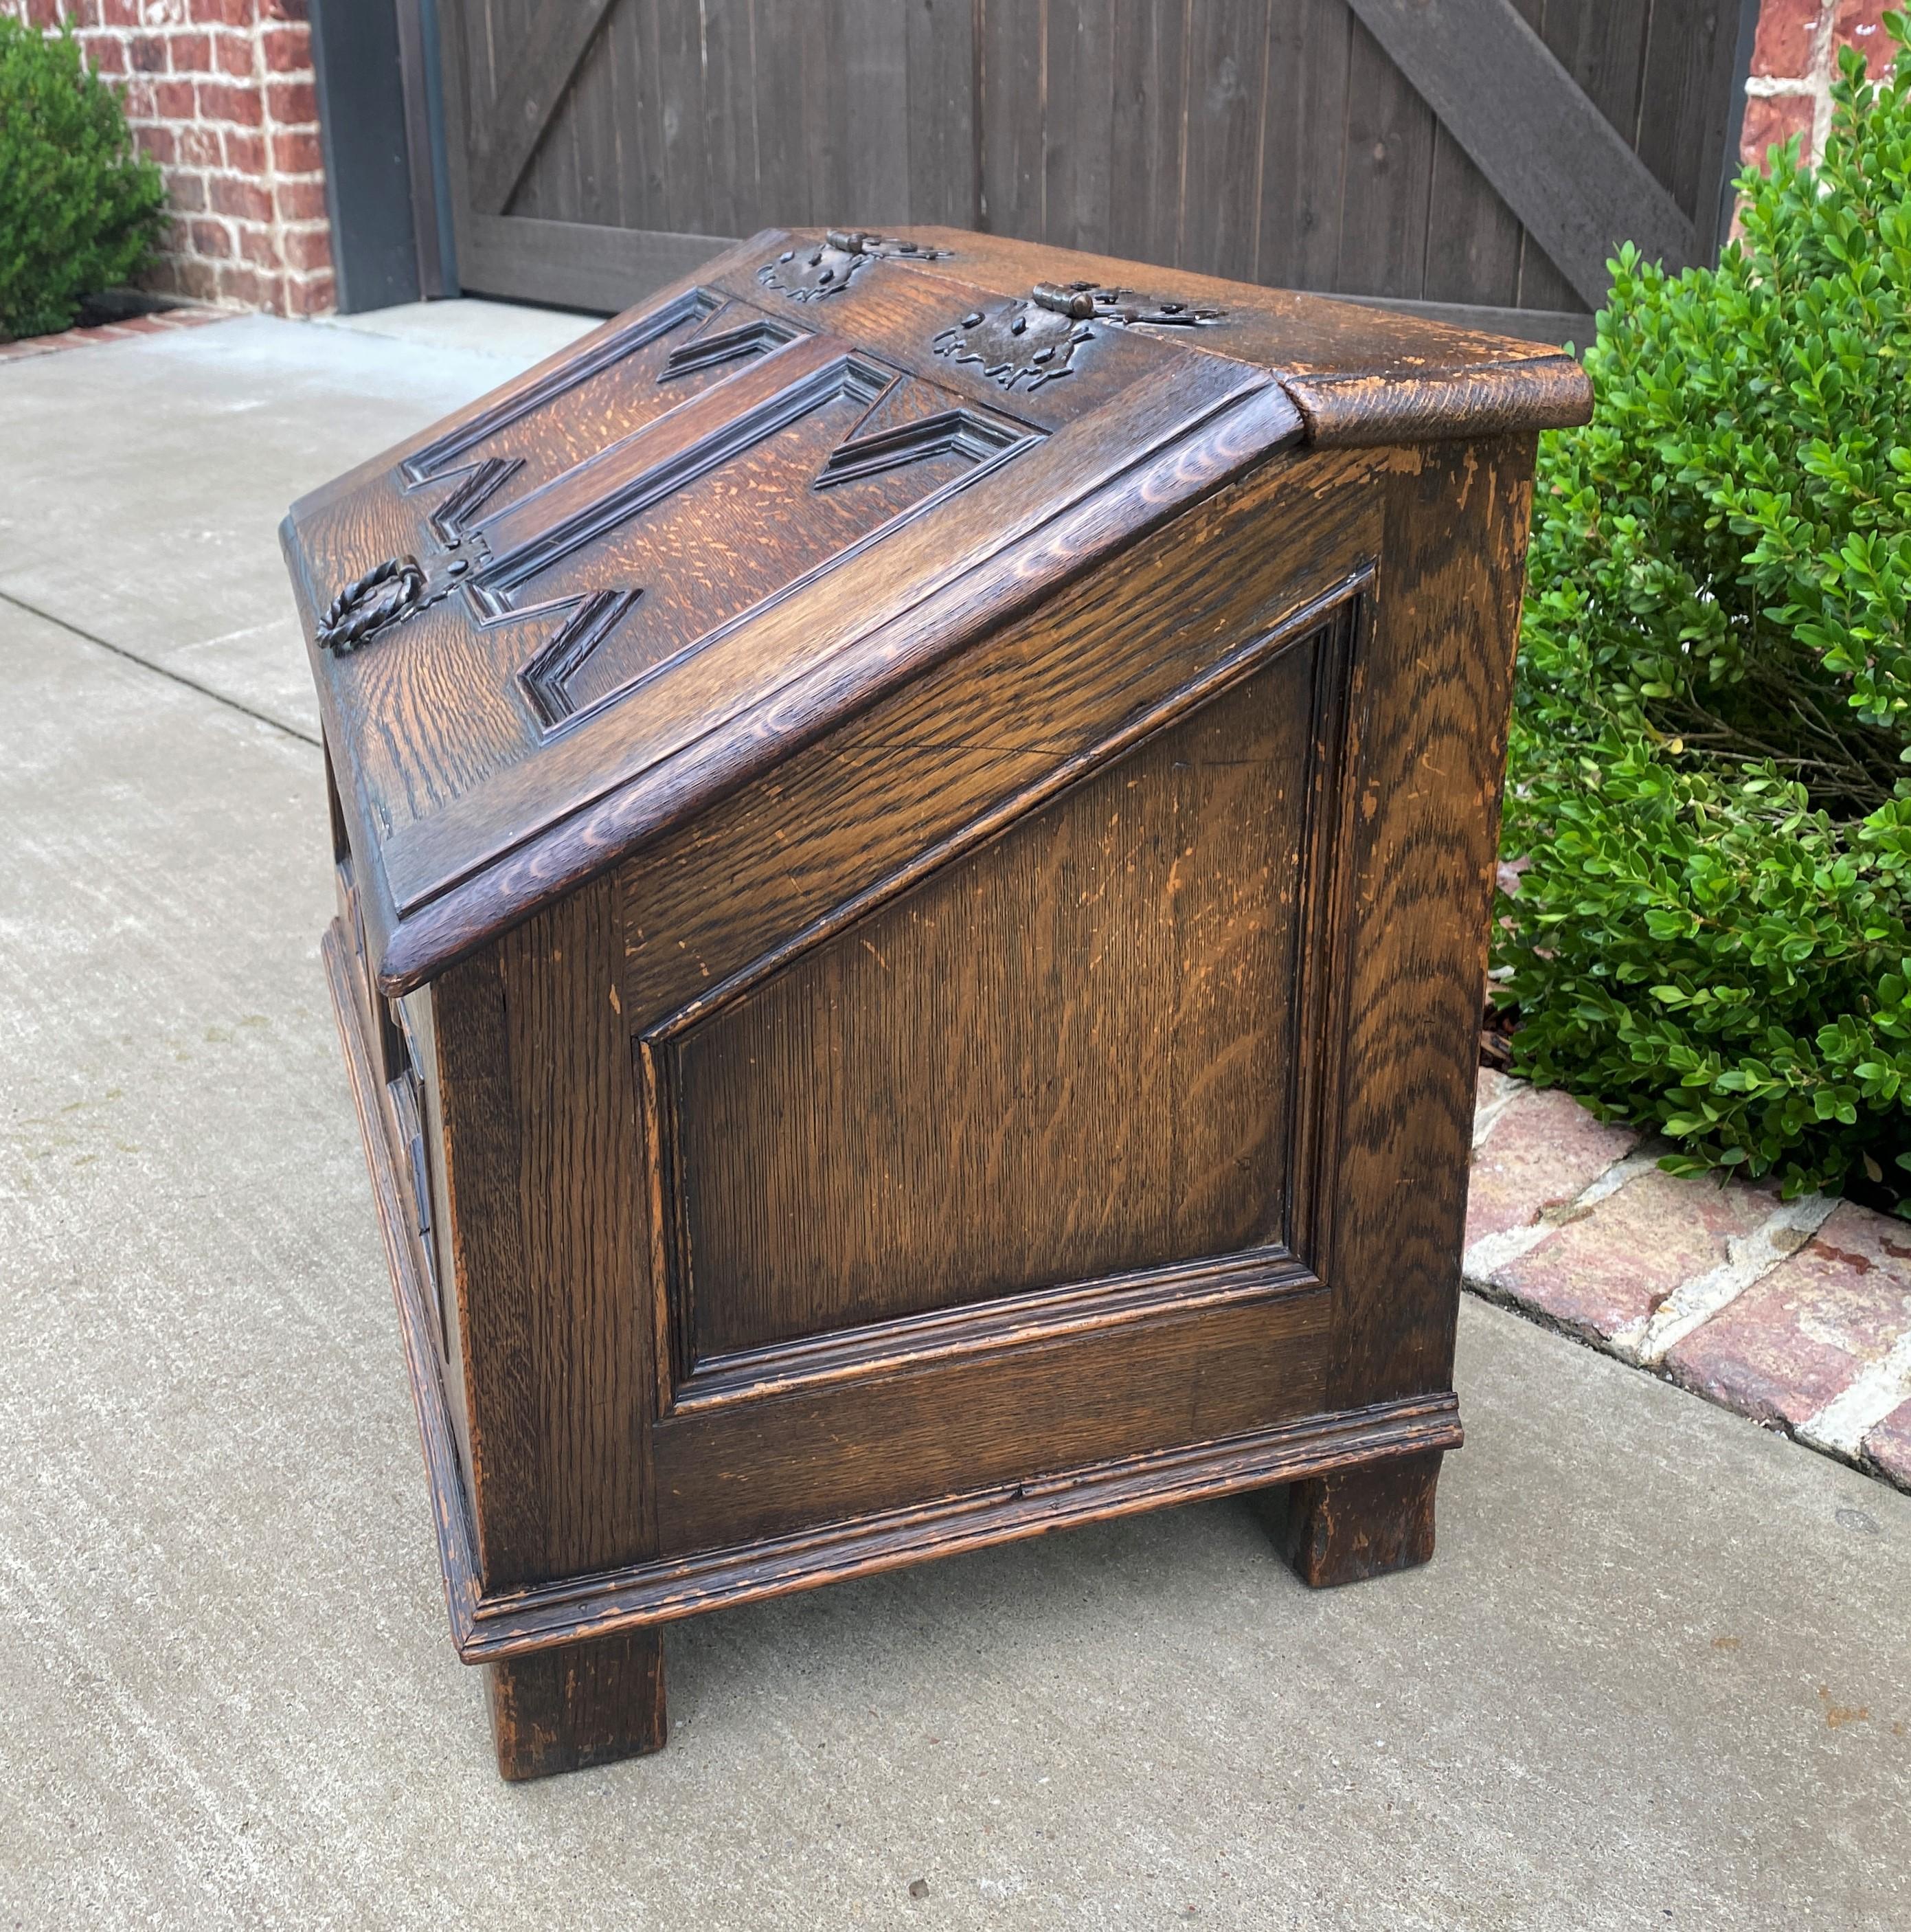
(823, 1454)
(1063, 1056)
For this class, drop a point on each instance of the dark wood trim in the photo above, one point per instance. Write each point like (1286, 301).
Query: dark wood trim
(1334, 618)
(533, 1087)
(1356, 1524)
(987, 1328)
(1556, 161)
(515, 1623)
(457, 1535)
(1735, 122)
(420, 117)
(1429, 710)
(1247, 427)
(581, 1705)
(1510, 398)
(1321, 930)
(369, 196)
(575, 264)
(508, 1625)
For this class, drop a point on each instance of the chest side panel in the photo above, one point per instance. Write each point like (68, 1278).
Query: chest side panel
(1061, 1058)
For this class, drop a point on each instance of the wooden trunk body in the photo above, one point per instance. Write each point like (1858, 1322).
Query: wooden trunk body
(912, 923)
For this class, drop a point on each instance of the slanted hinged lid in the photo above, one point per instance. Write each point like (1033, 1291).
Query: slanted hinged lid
(575, 611)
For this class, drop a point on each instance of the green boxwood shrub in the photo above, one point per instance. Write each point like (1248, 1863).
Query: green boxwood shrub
(79, 210)
(1708, 765)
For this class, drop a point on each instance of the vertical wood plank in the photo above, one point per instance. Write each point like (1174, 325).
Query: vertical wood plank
(592, 113)
(541, 1170)
(1304, 149)
(826, 106)
(692, 189)
(1472, 237)
(639, 146)
(876, 149)
(1389, 172)
(1601, 43)
(726, 84)
(1015, 84)
(1475, 242)
(1437, 665)
(1150, 42)
(1685, 99)
(481, 1157)
(944, 185)
(1227, 71)
(1078, 130)
(781, 125)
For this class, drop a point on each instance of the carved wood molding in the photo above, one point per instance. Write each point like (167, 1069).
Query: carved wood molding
(507, 550)
(1333, 624)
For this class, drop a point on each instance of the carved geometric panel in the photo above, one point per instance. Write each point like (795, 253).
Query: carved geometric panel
(1065, 1055)
(642, 560)
(711, 463)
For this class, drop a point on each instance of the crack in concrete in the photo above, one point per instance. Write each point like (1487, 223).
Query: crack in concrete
(74, 630)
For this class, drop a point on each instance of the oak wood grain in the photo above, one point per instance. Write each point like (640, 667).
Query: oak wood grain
(879, 1442)
(579, 1705)
(1019, 1072)
(1430, 702)
(547, 1205)
(1354, 1524)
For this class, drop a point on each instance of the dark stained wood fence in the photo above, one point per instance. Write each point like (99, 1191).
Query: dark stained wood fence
(1487, 154)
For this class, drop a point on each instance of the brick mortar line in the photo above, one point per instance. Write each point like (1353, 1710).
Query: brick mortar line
(1838, 1429)
(1492, 1252)
(1824, 65)
(1749, 1258)
(1821, 1443)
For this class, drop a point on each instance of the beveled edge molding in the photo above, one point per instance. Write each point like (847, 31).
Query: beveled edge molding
(984, 1327)
(512, 1623)
(438, 458)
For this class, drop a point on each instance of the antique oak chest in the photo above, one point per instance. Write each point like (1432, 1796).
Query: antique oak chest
(913, 821)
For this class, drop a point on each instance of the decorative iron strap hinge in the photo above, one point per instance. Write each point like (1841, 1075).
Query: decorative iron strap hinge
(1031, 340)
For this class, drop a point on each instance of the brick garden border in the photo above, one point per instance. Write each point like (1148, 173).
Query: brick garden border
(161, 321)
(1797, 1314)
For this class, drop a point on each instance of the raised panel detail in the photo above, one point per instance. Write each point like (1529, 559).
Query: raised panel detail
(1068, 1055)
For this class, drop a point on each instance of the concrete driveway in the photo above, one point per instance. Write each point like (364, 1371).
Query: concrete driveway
(1658, 1674)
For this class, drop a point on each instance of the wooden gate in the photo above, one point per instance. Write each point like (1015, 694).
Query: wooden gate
(1482, 155)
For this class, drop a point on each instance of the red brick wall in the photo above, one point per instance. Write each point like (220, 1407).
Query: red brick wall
(1794, 61)
(219, 93)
